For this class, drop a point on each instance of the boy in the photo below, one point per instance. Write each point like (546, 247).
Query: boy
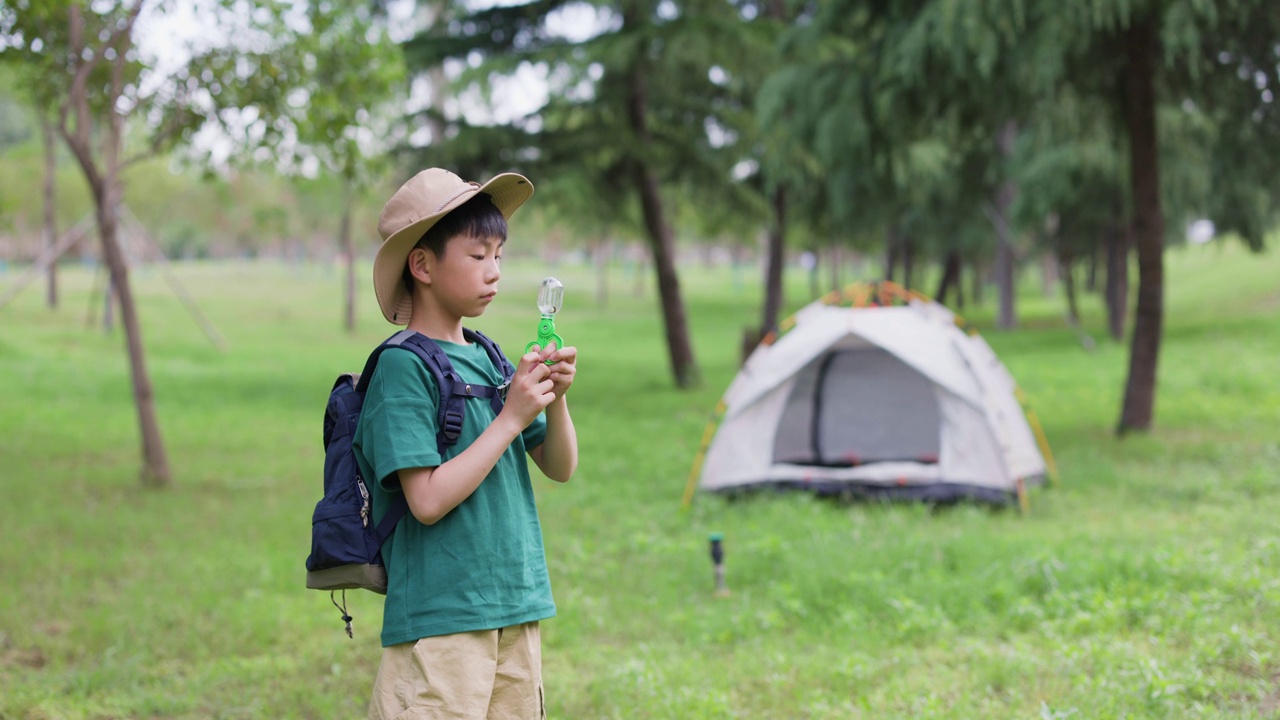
(467, 576)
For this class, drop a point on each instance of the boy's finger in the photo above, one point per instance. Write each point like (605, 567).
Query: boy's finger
(539, 371)
(530, 359)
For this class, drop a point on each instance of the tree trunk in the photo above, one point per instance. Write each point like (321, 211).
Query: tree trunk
(1005, 261)
(1066, 270)
(950, 277)
(837, 259)
(979, 283)
(1138, 410)
(1091, 278)
(662, 244)
(660, 235)
(104, 184)
(50, 225)
(349, 249)
(1116, 291)
(774, 247)
(155, 469)
(890, 252)
(908, 259)
(1049, 272)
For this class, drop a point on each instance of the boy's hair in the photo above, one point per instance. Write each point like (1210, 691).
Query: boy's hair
(477, 217)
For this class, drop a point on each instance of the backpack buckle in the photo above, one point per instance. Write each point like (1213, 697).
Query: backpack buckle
(501, 390)
(452, 424)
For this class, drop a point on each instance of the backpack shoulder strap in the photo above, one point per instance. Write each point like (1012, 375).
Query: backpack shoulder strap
(371, 364)
(495, 353)
(454, 391)
(449, 413)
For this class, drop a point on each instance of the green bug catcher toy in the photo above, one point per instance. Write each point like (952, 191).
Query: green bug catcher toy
(550, 300)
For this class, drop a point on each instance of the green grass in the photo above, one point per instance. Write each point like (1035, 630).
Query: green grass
(1144, 586)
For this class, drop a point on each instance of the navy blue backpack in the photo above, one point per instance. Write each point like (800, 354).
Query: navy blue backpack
(346, 545)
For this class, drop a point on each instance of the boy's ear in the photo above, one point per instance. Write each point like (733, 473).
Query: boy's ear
(420, 265)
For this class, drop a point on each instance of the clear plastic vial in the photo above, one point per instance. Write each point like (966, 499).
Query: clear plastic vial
(550, 296)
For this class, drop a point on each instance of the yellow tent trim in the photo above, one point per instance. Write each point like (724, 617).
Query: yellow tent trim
(707, 434)
(1034, 420)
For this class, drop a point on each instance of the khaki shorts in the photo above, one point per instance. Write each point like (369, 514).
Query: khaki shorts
(485, 675)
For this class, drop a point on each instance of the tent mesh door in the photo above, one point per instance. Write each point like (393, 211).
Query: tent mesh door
(856, 406)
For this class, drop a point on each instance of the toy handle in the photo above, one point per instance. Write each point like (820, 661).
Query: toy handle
(553, 336)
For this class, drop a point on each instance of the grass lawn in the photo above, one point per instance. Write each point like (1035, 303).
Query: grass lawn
(1147, 585)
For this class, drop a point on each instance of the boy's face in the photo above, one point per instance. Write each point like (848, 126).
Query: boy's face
(464, 279)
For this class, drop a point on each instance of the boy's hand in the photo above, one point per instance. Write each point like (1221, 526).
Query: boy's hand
(564, 367)
(530, 391)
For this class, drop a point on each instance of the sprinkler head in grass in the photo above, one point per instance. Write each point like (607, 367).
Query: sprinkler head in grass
(550, 300)
(717, 558)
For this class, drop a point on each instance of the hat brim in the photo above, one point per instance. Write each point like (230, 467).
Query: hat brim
(508, 190)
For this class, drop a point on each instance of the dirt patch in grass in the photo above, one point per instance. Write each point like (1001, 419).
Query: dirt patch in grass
(1271, 703)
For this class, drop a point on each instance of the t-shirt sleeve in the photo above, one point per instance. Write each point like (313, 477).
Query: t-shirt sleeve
(399, 417)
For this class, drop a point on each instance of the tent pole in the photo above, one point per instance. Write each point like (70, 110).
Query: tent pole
(707, 433)
(1034, 421)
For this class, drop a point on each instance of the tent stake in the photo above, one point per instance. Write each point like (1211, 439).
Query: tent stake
(717, 557)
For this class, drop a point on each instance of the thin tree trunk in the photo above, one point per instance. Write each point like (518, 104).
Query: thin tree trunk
(1138, 410)
(1005, 261)
(662, 244)
(775, 240)
(1066, 270)
(1116, 291)
(50, 225)
(908, 260)
(155, 470)
(348, 246)
(660, 235)
(1091, 279)
(1049, 272)
(891, 243)
(950, 277)
(837, 259)
(104, 183)
(979, 283)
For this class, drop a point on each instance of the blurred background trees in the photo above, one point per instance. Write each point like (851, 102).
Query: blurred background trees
(950, 146)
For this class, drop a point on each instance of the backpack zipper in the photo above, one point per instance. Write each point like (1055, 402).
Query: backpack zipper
(366, 507)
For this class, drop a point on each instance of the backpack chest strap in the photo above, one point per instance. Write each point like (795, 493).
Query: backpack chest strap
(495, 395)
(454, 407)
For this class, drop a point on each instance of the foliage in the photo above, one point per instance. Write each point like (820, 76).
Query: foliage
(581, 134)
(344, 112)
(1141, 587)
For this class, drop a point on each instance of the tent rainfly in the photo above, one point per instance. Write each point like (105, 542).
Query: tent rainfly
(874, 391)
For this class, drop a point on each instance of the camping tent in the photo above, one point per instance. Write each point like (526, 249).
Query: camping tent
(874, 390)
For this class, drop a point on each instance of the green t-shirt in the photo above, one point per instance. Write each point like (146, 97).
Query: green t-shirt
(482, 566)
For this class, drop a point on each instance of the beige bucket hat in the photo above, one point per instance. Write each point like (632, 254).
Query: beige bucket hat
(413, 209)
